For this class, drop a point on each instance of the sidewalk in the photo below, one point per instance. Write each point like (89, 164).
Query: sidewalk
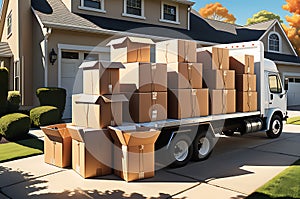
(237, 167)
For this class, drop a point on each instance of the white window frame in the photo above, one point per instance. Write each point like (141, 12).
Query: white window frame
(9, 16)
(82, 7)
(17, 75)
(280, 42)
(125, 14)
(177, 22)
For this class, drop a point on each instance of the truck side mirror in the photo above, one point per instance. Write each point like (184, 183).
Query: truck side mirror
(286, 84)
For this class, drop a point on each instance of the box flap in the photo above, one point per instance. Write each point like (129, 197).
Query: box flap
(59, 130)
(114, 98)
(87, 99)
(88, 64)
(76, 132)
(131, 39)
(104, 64)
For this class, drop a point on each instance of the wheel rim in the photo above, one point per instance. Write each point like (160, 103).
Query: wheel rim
(181, 150)
(276, 127)
(203, 146)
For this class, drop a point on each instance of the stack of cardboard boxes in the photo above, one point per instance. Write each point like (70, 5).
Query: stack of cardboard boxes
(219, 79)
(245, 81)
(186, 98)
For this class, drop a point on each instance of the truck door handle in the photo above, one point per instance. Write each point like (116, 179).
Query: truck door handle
(270, 102)
(272, 97)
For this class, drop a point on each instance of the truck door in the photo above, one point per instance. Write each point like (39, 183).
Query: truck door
(277, 96)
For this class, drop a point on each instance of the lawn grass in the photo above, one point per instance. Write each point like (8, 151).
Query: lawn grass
(286, 185)
(20, 149)
(293, 120)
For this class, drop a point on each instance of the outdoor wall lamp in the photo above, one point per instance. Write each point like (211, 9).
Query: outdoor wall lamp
(53, 56)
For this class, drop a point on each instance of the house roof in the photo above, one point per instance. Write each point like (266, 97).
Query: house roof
(262, 25)
(278, 57)
(5, 50)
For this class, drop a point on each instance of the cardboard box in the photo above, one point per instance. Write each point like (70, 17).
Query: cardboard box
(91, 151)
(219, 79)
(134, 152)
(57, 145)
(186, 103)
(245, 82)
(242, 64)
(97, 112)
(246, 101)
(176, 50)
(146, 77)
(130, 49)
(214, 58)
(145, 107)
(222, 101)
(184, 75)
(101, 78)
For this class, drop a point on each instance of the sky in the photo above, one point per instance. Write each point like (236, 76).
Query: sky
(244, 9)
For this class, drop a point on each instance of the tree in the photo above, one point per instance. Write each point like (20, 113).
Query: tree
(217, 12)
(262, 16)
(293, 30)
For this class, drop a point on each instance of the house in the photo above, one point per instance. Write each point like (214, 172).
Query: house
(44, 41)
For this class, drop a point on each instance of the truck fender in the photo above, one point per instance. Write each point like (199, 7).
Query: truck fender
(270, 114)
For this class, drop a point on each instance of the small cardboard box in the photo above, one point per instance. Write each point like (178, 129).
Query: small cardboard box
(219, 79)
(214, 58)
(246, 101)
(242, 64)
(130, 49)
(146, 77)
(222, 101)
(145, 107)
(245, 82)
(134, 152)
(57, 145)
(175, 50)
(91, 151)
(96, 111)
(100, 78)
(184, 75)
(186, 103)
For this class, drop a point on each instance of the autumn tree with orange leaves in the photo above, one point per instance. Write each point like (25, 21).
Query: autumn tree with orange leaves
(217, 12)
(293, 30)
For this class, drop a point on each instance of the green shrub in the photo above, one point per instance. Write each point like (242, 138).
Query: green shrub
(13, 100)
(52, 97)
(3, 90)
(44, 115)
(14, 125)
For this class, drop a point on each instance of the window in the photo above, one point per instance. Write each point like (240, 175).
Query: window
(17, 74)
(274, 42)
(9, 24)
(70, 55)
(92, 5)
(134, 8)
(275, 84)
(169, 13)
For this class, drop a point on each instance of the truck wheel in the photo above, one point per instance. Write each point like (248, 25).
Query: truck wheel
(203, 145)
(180, 150)
(276, 127)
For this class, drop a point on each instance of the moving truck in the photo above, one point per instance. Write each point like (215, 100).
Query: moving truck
(194, 138)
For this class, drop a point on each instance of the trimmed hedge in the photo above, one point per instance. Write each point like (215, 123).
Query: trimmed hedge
(13, 126)
(3, 90)
(52, 97)
(44, 115)
(13, 100)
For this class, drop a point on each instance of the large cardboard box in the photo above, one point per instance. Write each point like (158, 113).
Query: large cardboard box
(175, 50)
(101, 78)
(245, 82)
(186, 103)
(92, 151)
(96, 111)
(144, 77)
(130, 49)
(214, 58)
(242, 64)
(246, 101)
(219, 79)
(57, 145)
(134, 152)
(222, 101)
(184, 75)
(145, 107)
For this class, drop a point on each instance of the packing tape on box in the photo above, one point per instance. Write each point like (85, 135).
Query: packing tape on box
(153, 74)
(77, 169)
(110, 88)
(125, 161)
(53, 157)
(190, 73)
(154, 114)
(193, 101)
(141, 162)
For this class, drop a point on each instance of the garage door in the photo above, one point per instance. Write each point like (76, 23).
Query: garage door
(71, 75)
(294, 91)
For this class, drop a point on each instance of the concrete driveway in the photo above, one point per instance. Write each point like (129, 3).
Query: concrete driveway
(237, 167)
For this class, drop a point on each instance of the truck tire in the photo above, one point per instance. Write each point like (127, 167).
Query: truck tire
(276, 127)
(180, 150)
(203, 146)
